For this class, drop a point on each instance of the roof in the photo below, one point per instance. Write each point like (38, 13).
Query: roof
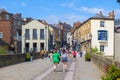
(99, 16)
(43, 22)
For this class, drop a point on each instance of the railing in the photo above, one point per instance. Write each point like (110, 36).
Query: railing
(103, 62)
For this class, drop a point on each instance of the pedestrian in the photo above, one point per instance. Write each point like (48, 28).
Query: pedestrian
(31, 55)
(81, 53)
(50, 55)
(64, 59)
(55, 58)
(42, 54)
(74, 53)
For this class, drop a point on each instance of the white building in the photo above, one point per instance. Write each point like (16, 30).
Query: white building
(34, 36)
(101, 29)
(69, 38)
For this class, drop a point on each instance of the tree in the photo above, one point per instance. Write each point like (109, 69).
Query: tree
(118, 1)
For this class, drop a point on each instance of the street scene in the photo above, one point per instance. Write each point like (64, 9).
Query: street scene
(59, 40)
(43, 70)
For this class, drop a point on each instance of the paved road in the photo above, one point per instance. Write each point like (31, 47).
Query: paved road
(43, 70)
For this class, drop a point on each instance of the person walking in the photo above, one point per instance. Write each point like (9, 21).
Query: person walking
(81, 53)
(31, 55)
(64, 59)
(74, 53)
(42, 54)
(55, 58)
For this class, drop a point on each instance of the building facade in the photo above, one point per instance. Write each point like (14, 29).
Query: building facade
(97, 31)
(35, 36)
(6, 29)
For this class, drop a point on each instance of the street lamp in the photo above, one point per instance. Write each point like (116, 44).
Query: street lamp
(24, 43)
(90, 37)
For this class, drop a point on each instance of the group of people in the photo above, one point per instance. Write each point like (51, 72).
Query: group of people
(62, 56)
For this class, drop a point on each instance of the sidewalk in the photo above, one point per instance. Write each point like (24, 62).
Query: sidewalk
(26, 70)
(86, 70)
(43, 70)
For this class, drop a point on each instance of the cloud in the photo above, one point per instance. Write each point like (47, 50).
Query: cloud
(68, 4)
(23, 4)
(81, 9)
(91, 10)
(68, 18)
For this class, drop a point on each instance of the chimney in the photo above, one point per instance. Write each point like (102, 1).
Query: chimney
(101, 13)
(111, 15)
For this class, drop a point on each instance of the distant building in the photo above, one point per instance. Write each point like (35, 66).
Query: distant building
(6, 29)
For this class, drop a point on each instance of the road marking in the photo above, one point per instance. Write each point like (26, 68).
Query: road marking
(69, 75)
(44, 74)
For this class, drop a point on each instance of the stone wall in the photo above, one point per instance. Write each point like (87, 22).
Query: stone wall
(103, 62)
(6, 60)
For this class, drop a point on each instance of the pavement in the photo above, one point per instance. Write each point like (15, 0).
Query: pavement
(43, 70)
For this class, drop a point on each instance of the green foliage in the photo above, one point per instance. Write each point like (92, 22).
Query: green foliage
(2, 50)
(112, 74)
(87, 55)
(27, 56)
(100, 53)
(94, 50)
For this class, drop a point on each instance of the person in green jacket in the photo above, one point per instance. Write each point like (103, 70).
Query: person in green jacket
(55, 58)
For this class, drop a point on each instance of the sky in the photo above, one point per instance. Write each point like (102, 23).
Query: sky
(68, 11)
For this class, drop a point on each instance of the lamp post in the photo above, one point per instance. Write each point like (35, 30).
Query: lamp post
(46, 37)
(90, 37)
(24, 43)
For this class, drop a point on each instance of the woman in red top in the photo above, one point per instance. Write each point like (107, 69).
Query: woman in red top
(74, 53)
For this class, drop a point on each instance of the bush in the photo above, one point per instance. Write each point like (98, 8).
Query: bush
(27, 56)
(112, 74)
(2, 50)
(88, 56)
(94, 50)
(100, 53)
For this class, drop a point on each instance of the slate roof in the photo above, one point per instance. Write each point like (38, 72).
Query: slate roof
(100, 16)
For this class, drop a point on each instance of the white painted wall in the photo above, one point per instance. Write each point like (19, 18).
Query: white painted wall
(109, 26)
(35, 25)
(117, 46)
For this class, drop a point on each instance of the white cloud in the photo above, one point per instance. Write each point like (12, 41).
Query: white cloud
(85, 9)
(23, 4)
(91, 10)
(69, 18)
(68, 4)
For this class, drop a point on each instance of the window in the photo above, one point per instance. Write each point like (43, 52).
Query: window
(34, 33)
(102, 35)
(41, 46)
(102, 23)
(1, 35)
(27, 34)
(101, 48)
(41, 33)
(35, 47)
(7, 17)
